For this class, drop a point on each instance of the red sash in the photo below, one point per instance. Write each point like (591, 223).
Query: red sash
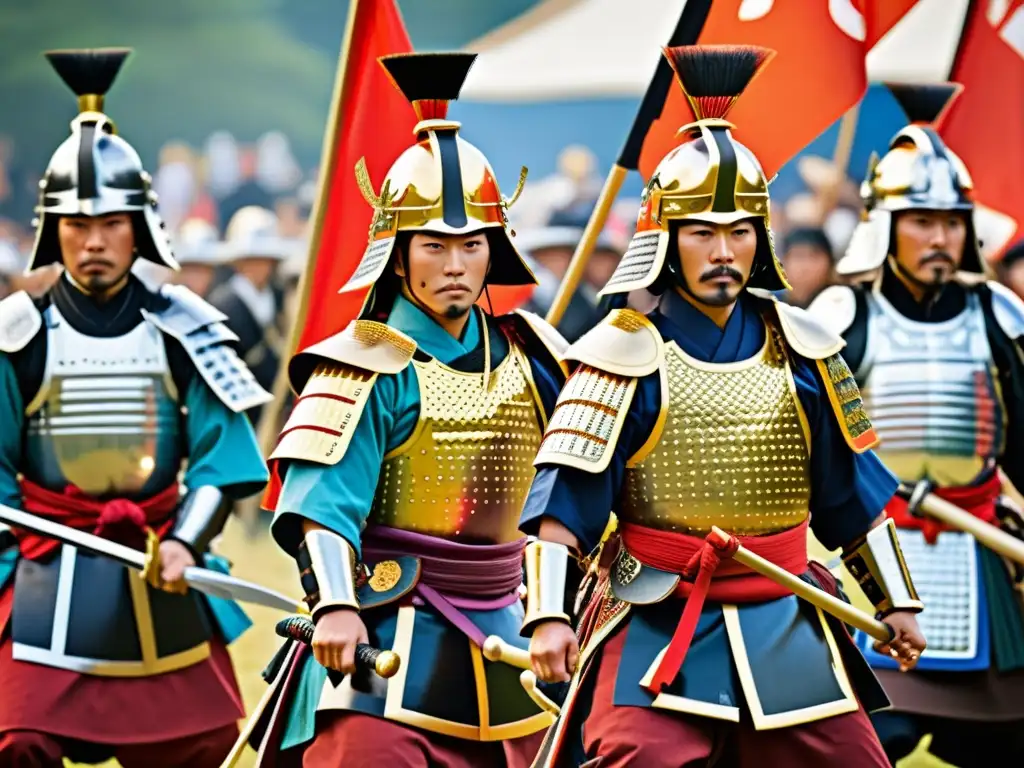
(979, 500)
(117, 519)
(728, 582)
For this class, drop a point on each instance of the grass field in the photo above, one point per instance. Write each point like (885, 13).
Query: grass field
(259, 560)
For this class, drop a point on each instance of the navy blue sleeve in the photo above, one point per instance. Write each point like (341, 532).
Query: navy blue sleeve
(548, 382)
(582, 501)
(848, 490)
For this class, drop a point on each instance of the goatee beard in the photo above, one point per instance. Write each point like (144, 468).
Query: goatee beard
(454, 311)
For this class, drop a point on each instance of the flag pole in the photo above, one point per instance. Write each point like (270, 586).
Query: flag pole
(687, 32)
(268, 426)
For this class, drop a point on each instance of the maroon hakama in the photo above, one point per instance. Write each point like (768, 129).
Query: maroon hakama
(201, 700)
(617, 737)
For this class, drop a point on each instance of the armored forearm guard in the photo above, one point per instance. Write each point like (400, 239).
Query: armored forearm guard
(201, 517)
(550, 587)
(878, 566)
(327, 570)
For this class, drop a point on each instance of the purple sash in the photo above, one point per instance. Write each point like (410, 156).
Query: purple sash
(476, 577)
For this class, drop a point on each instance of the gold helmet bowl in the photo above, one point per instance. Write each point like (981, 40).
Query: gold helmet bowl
(442, 183)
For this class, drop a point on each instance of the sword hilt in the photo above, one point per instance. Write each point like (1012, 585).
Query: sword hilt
(384, 663)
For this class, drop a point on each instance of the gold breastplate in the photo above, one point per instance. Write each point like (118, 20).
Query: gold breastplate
(732, 452)
(465, 471)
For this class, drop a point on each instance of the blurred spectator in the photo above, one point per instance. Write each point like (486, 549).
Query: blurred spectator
(250, 298)
(292, 217)
(175, 183)
(575, 185)
(276, 169)
(18, 190)
(1011, 268)
(550, 250)
(221, 160)
(199, 252)
(10, 264)
(831, 204)
(249, 192)
(807, 257)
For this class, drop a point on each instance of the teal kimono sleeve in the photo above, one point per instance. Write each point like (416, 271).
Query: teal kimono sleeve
(340, 496)
(222, 446)
(12, 420)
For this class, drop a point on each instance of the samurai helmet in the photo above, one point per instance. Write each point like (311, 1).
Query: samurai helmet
(710, 176)
(442, 183)
(919, 172)
(95, 172)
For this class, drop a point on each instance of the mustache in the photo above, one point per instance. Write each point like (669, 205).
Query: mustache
(451, 286)
(721, 271)
(938, 256)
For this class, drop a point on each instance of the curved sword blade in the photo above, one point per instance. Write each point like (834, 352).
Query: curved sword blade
(203, 579)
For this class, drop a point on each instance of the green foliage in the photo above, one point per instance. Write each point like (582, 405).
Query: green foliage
(246, 66)
(198, 66)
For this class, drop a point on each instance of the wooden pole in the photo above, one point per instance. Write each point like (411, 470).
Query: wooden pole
(238, 749)
(999, 541)
(585, 247)
(842, 610)
(268, 427)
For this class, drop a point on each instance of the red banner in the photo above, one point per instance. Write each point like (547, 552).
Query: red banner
(984, 126)
(372, 120)
(816, 76)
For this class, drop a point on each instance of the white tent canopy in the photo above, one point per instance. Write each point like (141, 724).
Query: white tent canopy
(585, 49)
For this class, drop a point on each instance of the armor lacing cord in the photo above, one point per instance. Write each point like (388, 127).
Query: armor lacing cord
(704, 562)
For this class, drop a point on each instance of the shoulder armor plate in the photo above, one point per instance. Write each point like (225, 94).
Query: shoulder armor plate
(807, 335)
(366, 344)
(201, 331)
(835, 308)
(625, 343)
(547, 335)
(1008, 310)
(587, 420)
(321, 424)
(20, 321)
(844, 397)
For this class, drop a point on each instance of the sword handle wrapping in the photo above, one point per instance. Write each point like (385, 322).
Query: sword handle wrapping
(384, 663)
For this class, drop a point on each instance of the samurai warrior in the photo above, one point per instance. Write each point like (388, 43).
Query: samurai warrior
(405, 464)
(935, 348)
(123, 416)
(721, 408)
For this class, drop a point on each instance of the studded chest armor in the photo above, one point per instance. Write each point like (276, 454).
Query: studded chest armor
(106, 418)
(732, 452)
(465, 471)
(931, 393)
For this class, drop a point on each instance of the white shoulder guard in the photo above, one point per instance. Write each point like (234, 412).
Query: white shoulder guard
(593, 404)
(547, 335)
(625, 343)
(335, 378)
(835, 308)
(20, 321)
(365, 344)
(803, 331)
(200, 329)
(1008, 310)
